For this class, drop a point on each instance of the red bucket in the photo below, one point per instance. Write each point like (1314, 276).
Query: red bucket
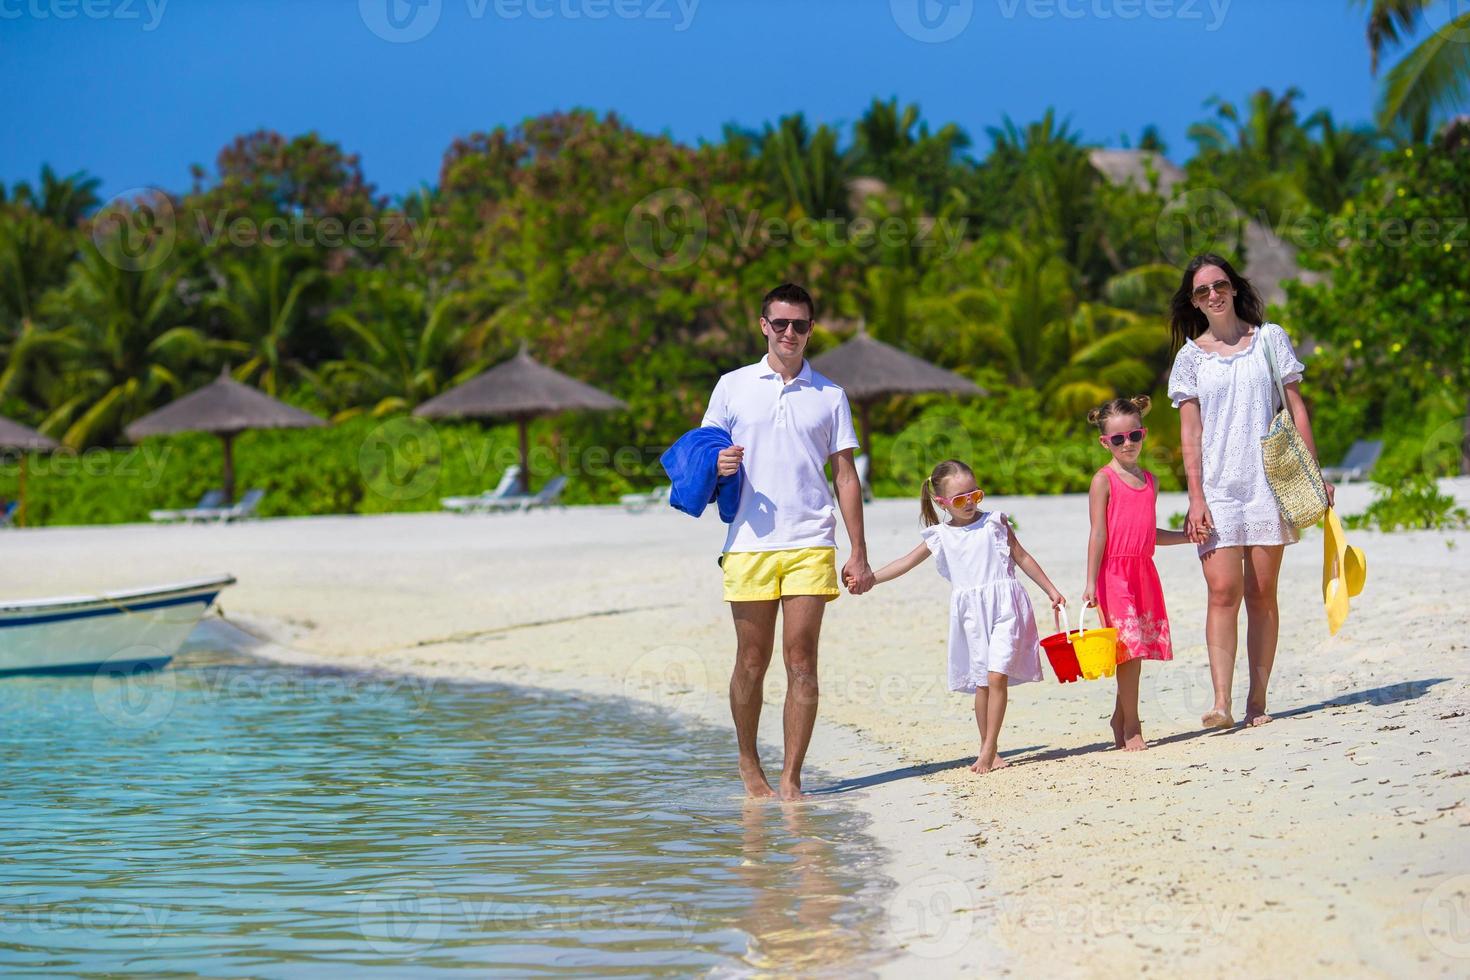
(1060, 652)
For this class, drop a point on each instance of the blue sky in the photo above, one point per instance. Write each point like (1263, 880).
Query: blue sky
(135, 91)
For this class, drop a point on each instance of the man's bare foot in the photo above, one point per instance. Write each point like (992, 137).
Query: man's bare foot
(790, 790)
(1117, 724)
(1217, 718)
(1135, 743)
(1255, 719)
(754, 778)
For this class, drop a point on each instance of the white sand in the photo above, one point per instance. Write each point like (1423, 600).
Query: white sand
(1334, 839)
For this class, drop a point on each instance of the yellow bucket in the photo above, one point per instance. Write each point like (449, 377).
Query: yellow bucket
(1097, 649)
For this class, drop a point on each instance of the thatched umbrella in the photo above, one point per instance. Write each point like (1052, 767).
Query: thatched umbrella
(227, 408)
(13, 435)
(520, 389)
(868, 369)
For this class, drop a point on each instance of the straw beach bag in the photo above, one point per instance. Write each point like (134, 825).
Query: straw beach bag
(1292, 472)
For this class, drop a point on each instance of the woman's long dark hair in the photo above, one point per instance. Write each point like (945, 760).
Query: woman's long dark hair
(1187, 321)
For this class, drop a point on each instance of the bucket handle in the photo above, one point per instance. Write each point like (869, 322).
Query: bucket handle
(1082, 621)
(1059, 616)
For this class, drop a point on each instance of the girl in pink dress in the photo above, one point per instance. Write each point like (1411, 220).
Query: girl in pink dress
(1121, 577)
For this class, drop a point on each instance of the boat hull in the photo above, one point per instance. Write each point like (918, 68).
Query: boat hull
(118, 631)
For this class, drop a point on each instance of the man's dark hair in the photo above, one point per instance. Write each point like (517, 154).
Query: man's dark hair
(789, 292)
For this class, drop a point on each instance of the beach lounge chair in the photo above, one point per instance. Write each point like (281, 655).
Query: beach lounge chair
(509, 482)
(242, 511)
(211, 500)
(547, 496)
(1357, 464)
(637, 503)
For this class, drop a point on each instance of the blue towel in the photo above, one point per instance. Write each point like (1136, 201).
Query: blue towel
(692, 465)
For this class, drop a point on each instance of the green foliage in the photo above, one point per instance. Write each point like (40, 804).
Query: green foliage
(1412, 505)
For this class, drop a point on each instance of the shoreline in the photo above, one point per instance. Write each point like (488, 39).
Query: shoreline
(1329, 840)
(914, 915)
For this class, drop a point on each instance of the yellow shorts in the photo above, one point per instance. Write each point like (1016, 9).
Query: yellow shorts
(754, 576)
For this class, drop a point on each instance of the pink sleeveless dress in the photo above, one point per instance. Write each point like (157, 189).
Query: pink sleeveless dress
(1128, 588)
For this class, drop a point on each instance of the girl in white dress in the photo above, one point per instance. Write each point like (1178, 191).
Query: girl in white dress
(1221, 384)
(992, 629)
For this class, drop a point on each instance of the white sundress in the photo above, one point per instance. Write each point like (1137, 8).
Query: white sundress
(992, 626)
(1237, 401)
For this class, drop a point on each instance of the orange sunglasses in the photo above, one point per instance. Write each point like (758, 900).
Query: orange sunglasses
(973, 497)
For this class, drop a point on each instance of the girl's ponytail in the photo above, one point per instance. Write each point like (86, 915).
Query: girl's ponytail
(927, 514)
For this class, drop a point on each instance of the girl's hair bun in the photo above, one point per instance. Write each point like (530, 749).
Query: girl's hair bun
(1143, 403)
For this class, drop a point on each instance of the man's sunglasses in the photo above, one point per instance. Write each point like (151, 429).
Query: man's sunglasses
(973, 497)
(1135, 436)
(802, 327)
(1222, 286)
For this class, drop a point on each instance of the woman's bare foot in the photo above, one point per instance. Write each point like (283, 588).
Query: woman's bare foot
(1255, 719)
(1135, 743)
(790, 790)
(1217, 718)
(987, 761)
(754, 778)
(1117, 724)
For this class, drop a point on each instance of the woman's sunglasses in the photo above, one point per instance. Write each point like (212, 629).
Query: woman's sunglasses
(1135, 436)
(1222, 286)
(973, 497)
(802, 327)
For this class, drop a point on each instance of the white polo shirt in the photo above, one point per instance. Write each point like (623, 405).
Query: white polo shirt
(788, 431)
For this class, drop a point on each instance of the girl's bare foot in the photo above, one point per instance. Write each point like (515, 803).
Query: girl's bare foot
(987, 761)
(754, 778)
(1135, 743)
(1217, 718)
(1117, 724)
(790, 790)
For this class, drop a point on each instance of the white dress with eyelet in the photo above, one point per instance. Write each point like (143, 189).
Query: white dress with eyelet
(1237, 401)
(992, 626)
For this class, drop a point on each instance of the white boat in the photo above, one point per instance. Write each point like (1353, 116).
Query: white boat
(112, 631)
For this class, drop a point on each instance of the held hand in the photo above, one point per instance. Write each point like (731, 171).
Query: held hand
(857, 575)
(729, 460)
(1057, 600)
(1089, 597)
(1199, 524)
(1331, 494)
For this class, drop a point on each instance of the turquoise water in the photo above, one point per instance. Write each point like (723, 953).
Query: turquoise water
(234, 818)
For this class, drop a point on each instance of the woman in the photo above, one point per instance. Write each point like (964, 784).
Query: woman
(1221, 384)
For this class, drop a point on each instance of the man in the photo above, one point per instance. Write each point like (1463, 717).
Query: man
(786, 422)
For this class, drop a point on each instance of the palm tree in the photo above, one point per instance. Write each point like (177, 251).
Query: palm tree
(1055, 184)
(803, 167)
(34, 255)
(64, 200)
(123, 342)
(1433, 78)
(1334, 164)
(264, 304)
(1254, 154)
(896, 146)
(410, 349)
